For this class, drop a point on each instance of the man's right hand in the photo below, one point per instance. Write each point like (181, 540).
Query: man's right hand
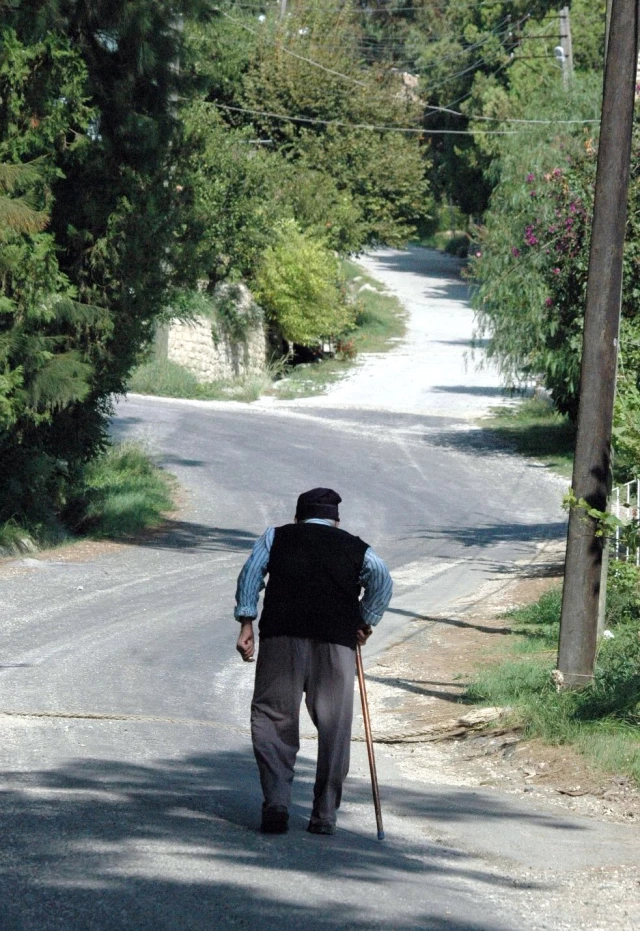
(246, 645)
(364, 633)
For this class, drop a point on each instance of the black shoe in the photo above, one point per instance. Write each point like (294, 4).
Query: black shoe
(275, 820)
(317, 826)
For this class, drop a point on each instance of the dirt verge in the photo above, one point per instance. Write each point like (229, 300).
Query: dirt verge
(416, 691)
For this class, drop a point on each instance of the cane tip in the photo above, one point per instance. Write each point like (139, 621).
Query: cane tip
(380, 835)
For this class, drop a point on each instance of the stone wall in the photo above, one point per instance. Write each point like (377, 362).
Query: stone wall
(191, 344)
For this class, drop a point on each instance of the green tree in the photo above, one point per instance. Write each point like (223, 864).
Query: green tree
(233, 194)
(531, 258)
(469, 57)
(295, 71)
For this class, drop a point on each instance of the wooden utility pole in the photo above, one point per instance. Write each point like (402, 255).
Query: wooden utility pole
(583, 569)
(566, 44)
(607, 24)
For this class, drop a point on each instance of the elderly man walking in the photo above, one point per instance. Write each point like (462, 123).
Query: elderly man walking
(312, 618)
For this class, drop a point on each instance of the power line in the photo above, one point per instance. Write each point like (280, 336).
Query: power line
(433, 108)
(370, 126)
(304, 58)
(402, 9)
(458, 74)
(441, 9)
(495, 31)
(376, 44)
(468, 93)
(476, 63)
(512, 119)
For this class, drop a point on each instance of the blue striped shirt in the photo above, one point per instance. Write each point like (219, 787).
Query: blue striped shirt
(374, 579)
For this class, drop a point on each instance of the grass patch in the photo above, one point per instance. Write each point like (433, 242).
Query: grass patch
(13, 537)
(118, 494)
(123, 492)
(169, 380)
(602, 720)
(381, 319)
(536, 430)
(17, 539)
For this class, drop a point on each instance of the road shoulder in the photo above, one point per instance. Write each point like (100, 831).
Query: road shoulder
(415, 690)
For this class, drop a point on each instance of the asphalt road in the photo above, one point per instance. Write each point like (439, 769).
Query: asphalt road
(142, 813)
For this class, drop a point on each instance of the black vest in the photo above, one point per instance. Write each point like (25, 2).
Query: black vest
(313, 588)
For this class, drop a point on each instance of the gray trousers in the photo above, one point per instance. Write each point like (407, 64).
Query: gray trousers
(287, 668)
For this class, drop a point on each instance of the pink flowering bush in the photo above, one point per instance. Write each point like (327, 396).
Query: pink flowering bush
(532, 280)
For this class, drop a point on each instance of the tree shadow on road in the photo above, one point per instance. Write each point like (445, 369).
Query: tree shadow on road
(430, 264)
(418, 687)
(491, 534)
(451, 621)
(193, 537)
(100, 844)
(482, 391)
(541, 446)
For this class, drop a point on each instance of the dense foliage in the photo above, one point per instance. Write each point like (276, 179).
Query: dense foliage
(298, 283)
(464, 54)
(301, 90)
(85, 128)
(532, 260)
(325, 85)
(532, 252)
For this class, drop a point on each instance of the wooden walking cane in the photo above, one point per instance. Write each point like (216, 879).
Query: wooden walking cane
(369, 740)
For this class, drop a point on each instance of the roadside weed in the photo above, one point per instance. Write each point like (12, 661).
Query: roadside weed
(116, 495)
(169, 380)
(603, 719)
(124, 492)
(164, 379)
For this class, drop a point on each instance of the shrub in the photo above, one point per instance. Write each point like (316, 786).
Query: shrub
(615, 691)
(623, 594)
(531, 258)
(298, 284)
(458, 245)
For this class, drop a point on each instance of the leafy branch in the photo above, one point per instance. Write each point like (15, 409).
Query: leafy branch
(607, 524)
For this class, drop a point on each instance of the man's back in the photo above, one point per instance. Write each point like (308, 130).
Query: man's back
(314, 584)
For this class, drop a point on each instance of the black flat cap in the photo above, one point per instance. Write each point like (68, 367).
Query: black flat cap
(319, 502)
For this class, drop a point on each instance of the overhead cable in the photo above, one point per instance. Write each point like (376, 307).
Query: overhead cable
(370, 126)
(430, 107)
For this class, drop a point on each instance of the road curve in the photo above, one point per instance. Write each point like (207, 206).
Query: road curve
(441, 367)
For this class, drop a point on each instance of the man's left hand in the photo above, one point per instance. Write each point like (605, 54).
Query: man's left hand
(364, 633)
